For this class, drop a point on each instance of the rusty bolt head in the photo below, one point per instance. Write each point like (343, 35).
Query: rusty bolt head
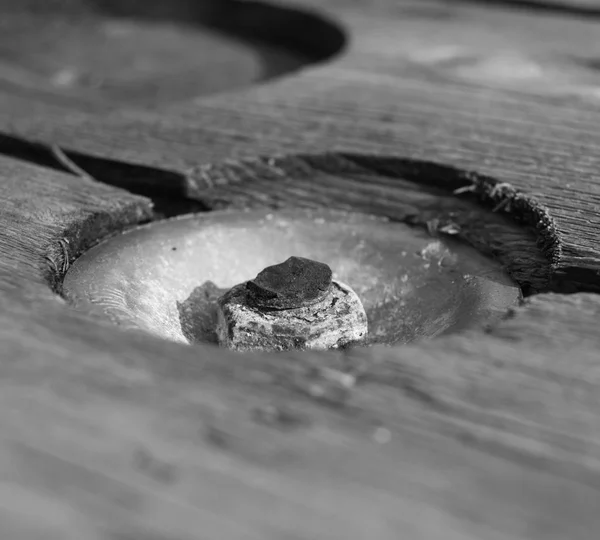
(292, 305)
(295, 283)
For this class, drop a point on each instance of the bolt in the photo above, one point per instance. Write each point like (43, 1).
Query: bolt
(292, 305)
(294, 283)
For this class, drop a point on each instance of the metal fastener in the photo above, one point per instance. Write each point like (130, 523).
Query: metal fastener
(292, 305)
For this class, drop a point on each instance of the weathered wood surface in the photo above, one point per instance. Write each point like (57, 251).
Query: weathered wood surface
(494, 434)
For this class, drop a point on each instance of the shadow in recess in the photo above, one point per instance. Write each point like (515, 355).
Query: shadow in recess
(301, 31)
(198, 313)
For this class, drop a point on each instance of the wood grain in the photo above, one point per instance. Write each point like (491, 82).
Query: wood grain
(493, 434)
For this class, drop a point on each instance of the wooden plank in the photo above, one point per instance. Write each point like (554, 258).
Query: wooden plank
(125, 432)
(119, 435)
(445, 101)
(173, 433)
(49, 218)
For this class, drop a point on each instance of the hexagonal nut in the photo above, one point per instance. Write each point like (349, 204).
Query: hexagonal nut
(336, 321)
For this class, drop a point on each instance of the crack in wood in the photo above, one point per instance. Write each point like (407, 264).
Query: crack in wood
(573, 9)
(278, 181)
(166, 189)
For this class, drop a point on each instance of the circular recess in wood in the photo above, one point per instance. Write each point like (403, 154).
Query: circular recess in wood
(524, 50)
(146, 52)
(166, 276)
(557, 75)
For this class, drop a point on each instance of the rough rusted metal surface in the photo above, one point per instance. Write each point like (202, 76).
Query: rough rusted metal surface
(336, 320)
(294, 283)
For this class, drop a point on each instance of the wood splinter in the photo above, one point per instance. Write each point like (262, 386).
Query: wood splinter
(292, 305)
